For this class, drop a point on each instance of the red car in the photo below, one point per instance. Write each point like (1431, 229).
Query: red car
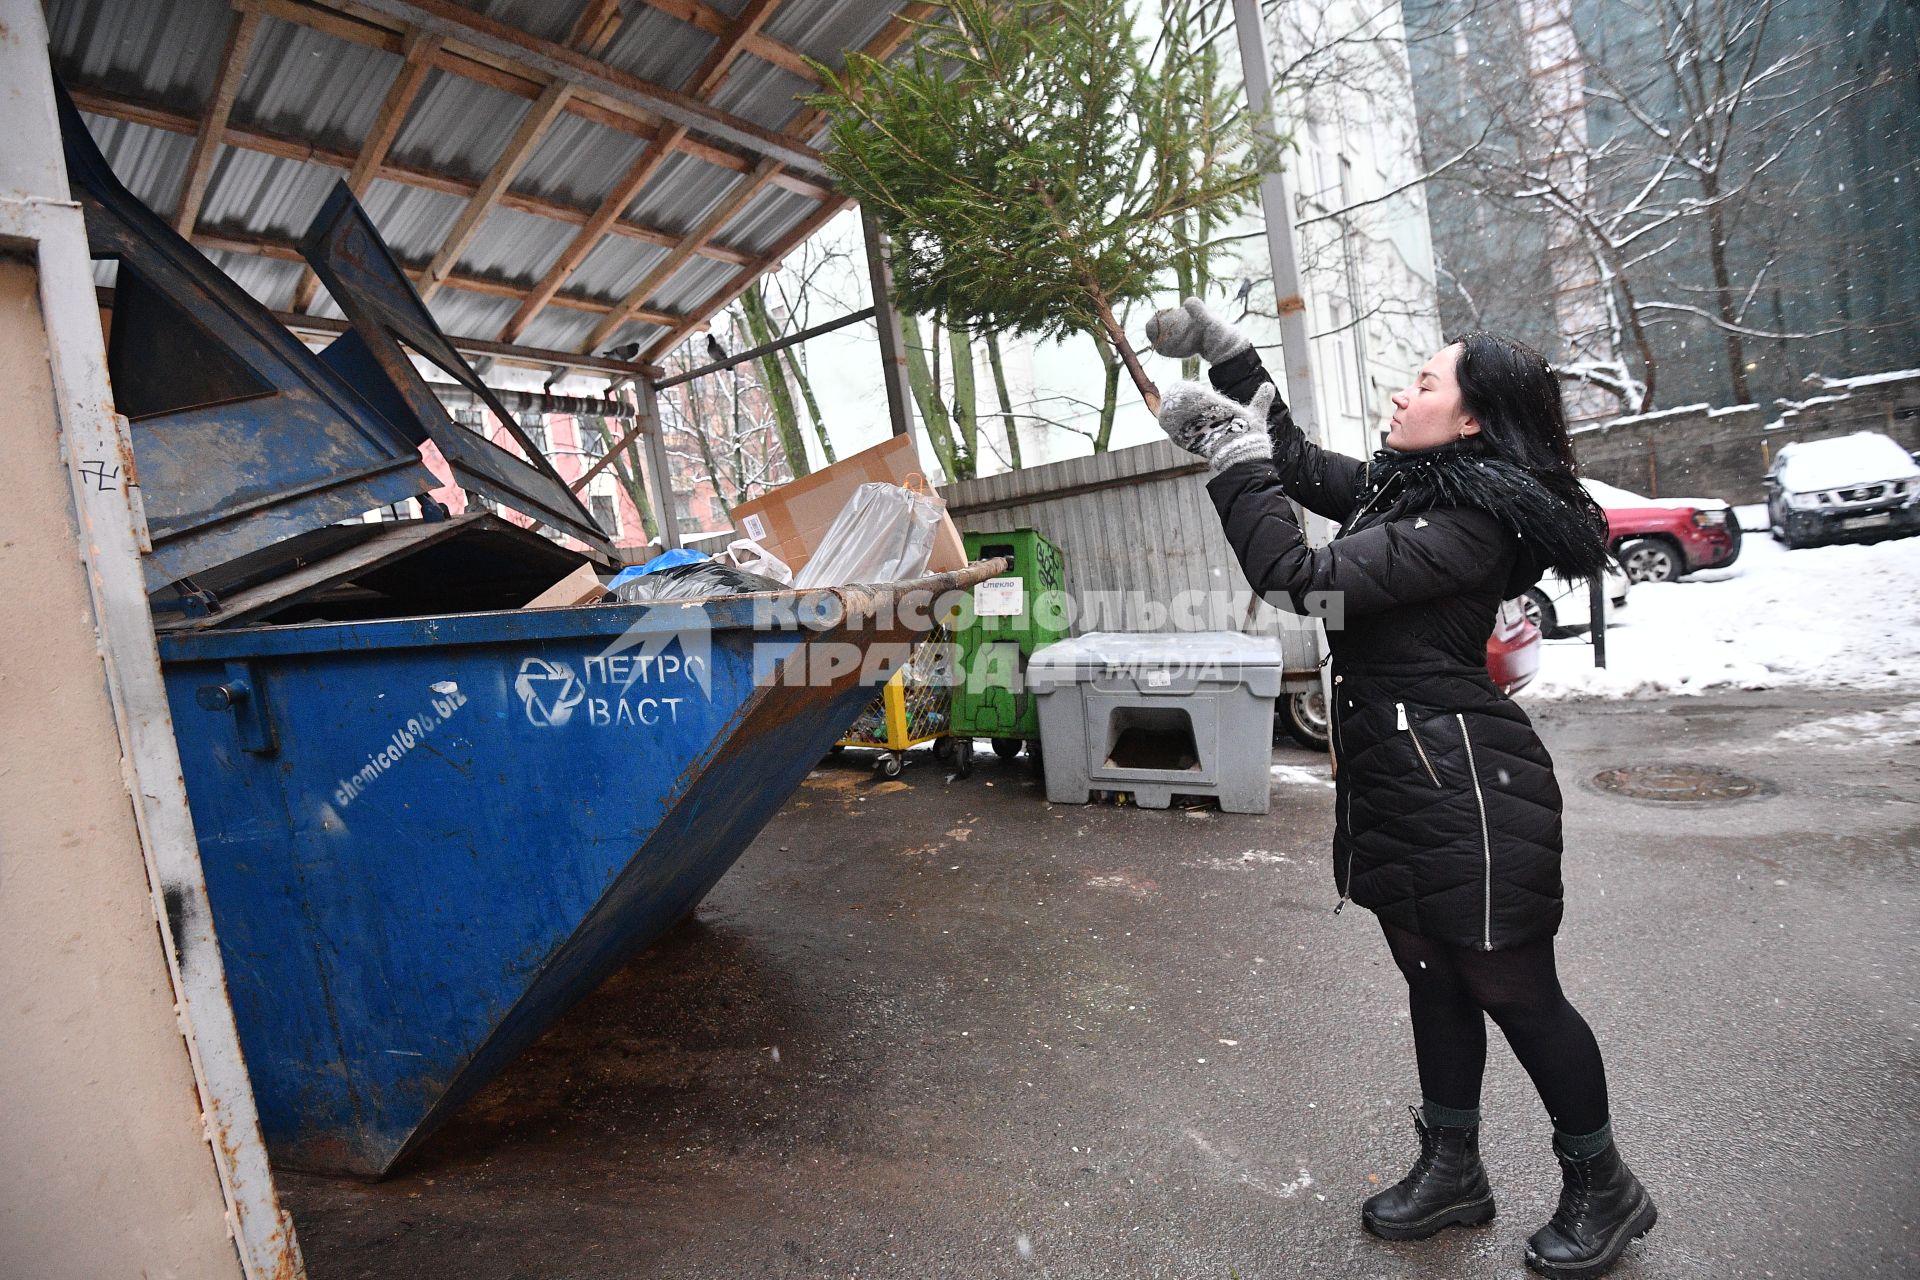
(1513, 650)
(1660, 539)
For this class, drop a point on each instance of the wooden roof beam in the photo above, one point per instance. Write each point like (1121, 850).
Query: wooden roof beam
(283, 250)
(693, 319)
(213, 124)
(343, 20)
(663, 271)
(716, 22)
(118, 107)
(885, 43)
(593, 78)
(417, 61)
(596, 26)
(533, 127)
(706, 78)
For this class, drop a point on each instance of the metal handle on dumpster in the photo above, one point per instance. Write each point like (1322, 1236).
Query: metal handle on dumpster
(239, 694)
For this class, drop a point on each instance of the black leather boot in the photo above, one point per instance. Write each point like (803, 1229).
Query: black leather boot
(1602, 1209)
(1446, 1187)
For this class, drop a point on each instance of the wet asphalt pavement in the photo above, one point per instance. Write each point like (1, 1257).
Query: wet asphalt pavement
(940, 1028)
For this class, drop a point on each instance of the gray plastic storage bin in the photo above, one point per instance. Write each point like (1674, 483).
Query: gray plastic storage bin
(1158, 715)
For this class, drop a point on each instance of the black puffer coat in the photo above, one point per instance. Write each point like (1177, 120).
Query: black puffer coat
(1447, 812)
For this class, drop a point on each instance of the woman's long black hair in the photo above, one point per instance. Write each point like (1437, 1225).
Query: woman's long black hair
(1513, 393)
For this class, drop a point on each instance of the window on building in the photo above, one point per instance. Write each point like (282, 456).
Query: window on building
(593, 440)
(606, 513)
(1343, 373)
(535, 426)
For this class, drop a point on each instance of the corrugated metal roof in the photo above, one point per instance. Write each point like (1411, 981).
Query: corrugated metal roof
(615, 266)
(768, 96)
(682, 193)
(559, 329)
(268, 279)
(825, 29)
(516, 246)
(413, 222)
(260, 194)
(165, 49)
(548, 19)
(475, 314)
(149, 161)
(767, 217)
(657, 47)
(692, 284)
(458, 125)
(301, 83)
(578, 162)
(313, 86)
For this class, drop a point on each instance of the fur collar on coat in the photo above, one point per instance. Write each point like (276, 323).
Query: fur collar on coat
(1557, 534)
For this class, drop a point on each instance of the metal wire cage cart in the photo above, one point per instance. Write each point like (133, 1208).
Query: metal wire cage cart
(915, 707)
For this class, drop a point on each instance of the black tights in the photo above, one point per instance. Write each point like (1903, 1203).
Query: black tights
(1450, 987)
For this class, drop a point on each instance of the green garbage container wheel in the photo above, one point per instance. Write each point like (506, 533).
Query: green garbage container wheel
(1007, 748)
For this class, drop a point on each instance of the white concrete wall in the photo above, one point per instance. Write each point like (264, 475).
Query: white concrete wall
(107, 1170)
(128, 1149)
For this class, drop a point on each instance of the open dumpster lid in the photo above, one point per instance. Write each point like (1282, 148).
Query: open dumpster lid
(389, 319)
(242, 437)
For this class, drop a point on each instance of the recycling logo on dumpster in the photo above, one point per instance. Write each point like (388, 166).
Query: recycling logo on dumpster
(549, 691)
(640, 679)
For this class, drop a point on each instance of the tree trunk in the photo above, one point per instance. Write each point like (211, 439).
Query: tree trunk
(1189, 275)
(926, 394)
(1723, 287)
(773, 380)
(966, 417)
(1117, 338)
(625, 472)
(1006, 402)
(1640, 341)
(813, 406)
(1110, 399)
(736, 453)
(703, 441)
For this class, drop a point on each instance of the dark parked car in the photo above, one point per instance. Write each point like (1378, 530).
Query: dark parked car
(1857, 488)
(1660, 539)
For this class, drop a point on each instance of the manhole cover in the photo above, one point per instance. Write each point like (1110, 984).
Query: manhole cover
(1679, 782)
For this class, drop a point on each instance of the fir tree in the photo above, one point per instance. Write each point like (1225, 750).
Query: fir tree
(1036, 169)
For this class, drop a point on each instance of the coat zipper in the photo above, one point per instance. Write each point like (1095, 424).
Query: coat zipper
(1368, 504)
(1486, 839)
(1338, 750)
(1401, 707)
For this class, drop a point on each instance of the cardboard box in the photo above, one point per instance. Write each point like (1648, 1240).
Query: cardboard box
(582, 586)
(791, 520)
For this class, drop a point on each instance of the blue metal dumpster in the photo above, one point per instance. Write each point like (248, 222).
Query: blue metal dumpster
(428, 822)
(424, 838)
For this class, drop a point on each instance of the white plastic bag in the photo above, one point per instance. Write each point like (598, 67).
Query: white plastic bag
(883, 534)
(745, 553)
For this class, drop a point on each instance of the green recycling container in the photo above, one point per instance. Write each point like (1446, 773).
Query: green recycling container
(1013, 616)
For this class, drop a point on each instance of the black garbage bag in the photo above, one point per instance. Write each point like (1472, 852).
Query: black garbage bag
(697, 581)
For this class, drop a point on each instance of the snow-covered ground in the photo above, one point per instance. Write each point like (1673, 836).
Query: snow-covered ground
(1842, 616)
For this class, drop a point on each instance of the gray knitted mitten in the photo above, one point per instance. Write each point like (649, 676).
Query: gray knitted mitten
(1201, 420)
(1192, 329)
